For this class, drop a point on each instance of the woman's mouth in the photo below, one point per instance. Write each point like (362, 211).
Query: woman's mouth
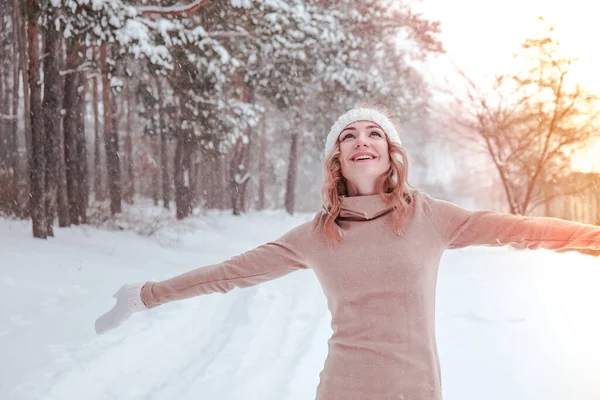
(362, 157)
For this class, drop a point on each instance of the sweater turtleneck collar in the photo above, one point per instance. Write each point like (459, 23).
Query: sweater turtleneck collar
(363, 208)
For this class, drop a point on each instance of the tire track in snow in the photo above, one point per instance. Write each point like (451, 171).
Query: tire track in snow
(302, 328)
(244, 363)
(272, 333)
(138, 365)
(197, 376)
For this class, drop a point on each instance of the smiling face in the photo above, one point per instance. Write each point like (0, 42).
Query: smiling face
(364, 155)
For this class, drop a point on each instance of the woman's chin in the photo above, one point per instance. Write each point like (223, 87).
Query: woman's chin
(366, 173)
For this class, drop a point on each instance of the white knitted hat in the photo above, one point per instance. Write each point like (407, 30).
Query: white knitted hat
(360, 114)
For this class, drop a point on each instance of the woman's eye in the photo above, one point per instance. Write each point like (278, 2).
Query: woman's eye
(347, 136)
(376, 133)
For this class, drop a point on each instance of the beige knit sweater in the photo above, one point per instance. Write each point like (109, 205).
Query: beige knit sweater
(380, 287)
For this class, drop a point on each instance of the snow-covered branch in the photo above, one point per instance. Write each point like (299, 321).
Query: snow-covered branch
(80, 68)
(173, 10)
(241, 180)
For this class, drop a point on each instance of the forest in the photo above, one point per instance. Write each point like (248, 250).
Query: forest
(210, 104)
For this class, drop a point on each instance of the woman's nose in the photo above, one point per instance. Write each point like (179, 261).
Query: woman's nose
(361, 142)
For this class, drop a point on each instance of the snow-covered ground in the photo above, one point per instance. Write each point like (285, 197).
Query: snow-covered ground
(511, 324)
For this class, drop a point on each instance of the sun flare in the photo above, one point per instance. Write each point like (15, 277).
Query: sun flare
(481, 37)
(587, 160)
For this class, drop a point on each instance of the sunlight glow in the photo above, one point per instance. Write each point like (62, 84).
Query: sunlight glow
(481, 37)
(587, 160)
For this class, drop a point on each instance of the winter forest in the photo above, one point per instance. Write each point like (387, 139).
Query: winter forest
(192, 105)
(143, 138)
(198, 105)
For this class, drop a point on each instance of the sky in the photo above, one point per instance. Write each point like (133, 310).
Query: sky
(480, 37)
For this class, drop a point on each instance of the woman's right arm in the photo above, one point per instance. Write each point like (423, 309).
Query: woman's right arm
(263, 263)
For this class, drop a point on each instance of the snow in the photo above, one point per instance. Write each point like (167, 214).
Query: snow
(510, 324)
(136, 35)
(241, 3)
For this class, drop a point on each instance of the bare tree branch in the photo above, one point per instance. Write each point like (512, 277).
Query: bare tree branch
(547, 198)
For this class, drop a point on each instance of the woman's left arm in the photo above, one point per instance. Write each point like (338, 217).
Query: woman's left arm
(459, 227)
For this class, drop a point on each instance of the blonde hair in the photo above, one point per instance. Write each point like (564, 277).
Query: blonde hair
(393, 187)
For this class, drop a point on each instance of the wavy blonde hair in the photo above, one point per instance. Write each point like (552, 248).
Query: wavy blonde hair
(393, 186)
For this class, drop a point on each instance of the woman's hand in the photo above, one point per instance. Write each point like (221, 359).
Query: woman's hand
(128, 302)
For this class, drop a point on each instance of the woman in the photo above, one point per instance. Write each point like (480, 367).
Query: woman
(375, 249)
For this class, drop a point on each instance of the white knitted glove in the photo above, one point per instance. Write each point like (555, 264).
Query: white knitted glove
(128, 302)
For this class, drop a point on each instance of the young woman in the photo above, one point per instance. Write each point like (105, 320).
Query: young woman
(375, 249)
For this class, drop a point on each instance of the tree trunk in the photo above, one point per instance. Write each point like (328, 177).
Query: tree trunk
(111, 139)
(155, 170)
(5, 109)
(246, 161)
(129, 188)
(216, 180)
(164, 167)
(211, 176)
(14, 144)
(99, 194)
(52, 123)
(83, 191)
(36, 171)
(223, 183)
(164, 159)
(3, 105)
(290, 187)
(197, 198)
(25, 81)
(191, 167)
(64, 217)
(246, 157)
(237, 176)
(23, 60)
(182, 178)
(5, 133)
(261, 163)
(70, 146)
(188, 150)
(70, 107)
(239, 167)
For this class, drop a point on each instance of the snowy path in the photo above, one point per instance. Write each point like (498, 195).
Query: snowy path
(511, 324)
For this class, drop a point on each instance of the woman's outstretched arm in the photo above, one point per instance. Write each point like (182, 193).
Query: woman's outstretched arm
(263, 263)
(268, 261)
(459, 227)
